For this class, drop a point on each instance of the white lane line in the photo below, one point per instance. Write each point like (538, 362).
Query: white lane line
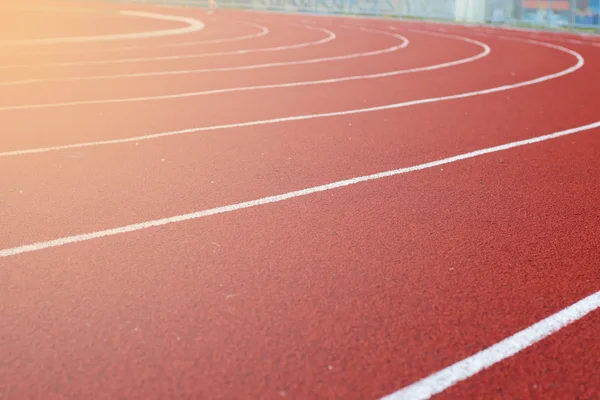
(580, 62)
(330, 36)
(405, 43)
(12, 251)
(21, 82)
(263, 30)
(539, 33)
(448, 377)
(486, 51)
(545, 37)
(193, 25)
(349, 18)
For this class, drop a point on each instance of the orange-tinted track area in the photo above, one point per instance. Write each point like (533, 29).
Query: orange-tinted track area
(250, 205)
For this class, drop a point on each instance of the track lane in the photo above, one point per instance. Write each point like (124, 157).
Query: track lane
(179, 81)
(564, 38)
(358, 262)
(546, 370)
(33, 58)
(17, 25)
(207, 40)
(285, 41)
(89, 180)
(324, 47)
(37, 52)
(295, 365)
(175, 113)
(279, 41)
(190, 25)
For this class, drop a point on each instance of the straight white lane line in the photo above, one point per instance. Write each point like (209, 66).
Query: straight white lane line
(405, 43)
(470, 366)
(575, 67)
(193, 25)
(284, 196)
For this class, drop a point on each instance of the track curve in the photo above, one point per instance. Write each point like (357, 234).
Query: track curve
(345, 255)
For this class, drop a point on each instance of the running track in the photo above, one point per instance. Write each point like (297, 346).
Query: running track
(264, 206)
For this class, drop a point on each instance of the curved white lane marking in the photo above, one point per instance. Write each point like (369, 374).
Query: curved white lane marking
(484, 53)
(539, 33)
(594, 38)
(263, 30)
(580, 62)
(540, 36)
(28, 248)
(193, 25)
(330, 36)
(238, 68)
(470, 366)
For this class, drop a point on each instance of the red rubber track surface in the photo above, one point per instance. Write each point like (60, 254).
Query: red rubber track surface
(547, 371)
(349, 293)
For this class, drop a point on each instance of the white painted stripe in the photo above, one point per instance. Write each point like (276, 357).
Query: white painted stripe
(404, 44)
(330, 36)
(193, 25)
(263, 30)
(281, 197)
(486, 51)
(537, 36)
(539, 32)
(578, 65)
(448, 377)
(223, 69)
